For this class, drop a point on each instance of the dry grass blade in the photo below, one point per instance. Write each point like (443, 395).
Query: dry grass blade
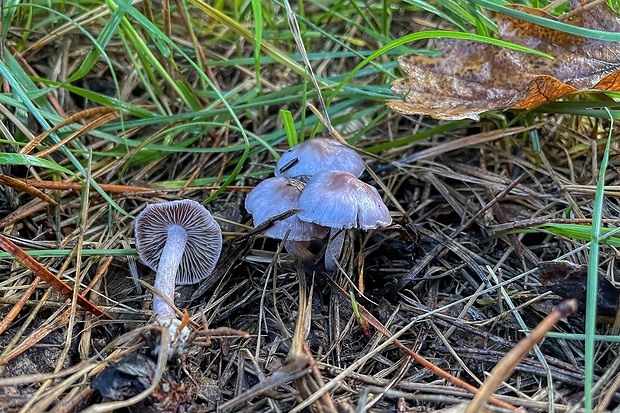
(468, 141)
(71, 119)
(312, 382)
(26, 210)
(291, 371)
(22, 186)
(225, 266)
(45, 274)
(13, 312)
(73, 400)
(507, 365)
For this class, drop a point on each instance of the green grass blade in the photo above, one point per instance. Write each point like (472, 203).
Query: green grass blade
(592, 281)
(20, 89)
(258, 33)
(99, 45)
(583, 232)
(65, 253)
(289, 127)
(29, 160)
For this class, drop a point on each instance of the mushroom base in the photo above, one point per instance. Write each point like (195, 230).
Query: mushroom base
(179, 338)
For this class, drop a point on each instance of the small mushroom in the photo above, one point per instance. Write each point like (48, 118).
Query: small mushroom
(275, 196)
(318, 154)
(182, 242)
(338, 200)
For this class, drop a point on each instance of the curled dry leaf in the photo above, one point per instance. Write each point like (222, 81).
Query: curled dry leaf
(472, 77)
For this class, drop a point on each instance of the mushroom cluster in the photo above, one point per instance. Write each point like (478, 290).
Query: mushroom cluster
(182, 242)
(318, 180)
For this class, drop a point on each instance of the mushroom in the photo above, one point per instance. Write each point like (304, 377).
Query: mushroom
(338, 200)
(275, 196)
(318, 154)
(182, 242)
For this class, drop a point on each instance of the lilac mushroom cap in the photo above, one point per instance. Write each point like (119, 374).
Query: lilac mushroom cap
(337, 199)
(203, 238)
(318, 154)
(275, 196)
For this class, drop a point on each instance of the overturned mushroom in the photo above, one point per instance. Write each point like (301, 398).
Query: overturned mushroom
(275, 196)
(318, 154)
(182, 242)
(339, 200)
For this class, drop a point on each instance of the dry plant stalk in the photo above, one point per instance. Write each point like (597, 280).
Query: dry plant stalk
(309, 383)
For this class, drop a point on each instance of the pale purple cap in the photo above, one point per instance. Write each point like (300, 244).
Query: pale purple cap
(318, 154)
(337, 199)
(204, 237)
(275, 196)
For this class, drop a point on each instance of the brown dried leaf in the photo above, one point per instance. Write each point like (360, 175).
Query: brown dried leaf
(543, 89)
(471, 77)
(569, 280)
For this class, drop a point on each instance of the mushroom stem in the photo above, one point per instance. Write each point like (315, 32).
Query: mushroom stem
(301, 250)
(334, 248)
(167, 271)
